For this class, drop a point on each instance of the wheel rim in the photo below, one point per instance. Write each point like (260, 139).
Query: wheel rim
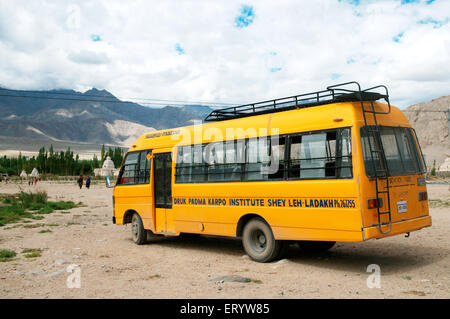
(135, 229)
(258, 241)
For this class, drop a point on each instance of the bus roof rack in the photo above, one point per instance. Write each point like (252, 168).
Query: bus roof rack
(333, 94)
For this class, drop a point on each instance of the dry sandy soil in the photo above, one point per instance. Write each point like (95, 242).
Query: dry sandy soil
(112, 266)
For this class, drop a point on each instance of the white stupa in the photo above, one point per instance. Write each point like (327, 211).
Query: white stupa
(34, 173)
(107, 169)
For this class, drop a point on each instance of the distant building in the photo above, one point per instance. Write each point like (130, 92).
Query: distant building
(107, 169)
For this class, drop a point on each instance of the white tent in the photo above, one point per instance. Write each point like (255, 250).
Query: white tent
(23, 174)
(34, 173)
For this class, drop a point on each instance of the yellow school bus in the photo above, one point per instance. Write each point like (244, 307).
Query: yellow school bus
(340, 164)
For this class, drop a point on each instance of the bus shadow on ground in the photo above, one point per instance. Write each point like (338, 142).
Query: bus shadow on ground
(393, 258)
(353, 256)
(213, 244)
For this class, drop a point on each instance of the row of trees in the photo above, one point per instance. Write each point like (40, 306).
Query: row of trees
(59, 163)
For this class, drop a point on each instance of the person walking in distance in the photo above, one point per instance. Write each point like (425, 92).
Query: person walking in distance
(80, 181)
(88, 182)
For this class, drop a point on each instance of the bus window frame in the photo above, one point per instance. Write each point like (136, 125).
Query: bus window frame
(414, 140)
(336, 157)
(136, 177)
(286, 159)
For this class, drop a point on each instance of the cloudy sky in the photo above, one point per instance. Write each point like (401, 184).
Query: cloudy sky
(226, 51)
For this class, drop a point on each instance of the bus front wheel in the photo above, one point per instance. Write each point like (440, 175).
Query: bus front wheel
(259, 242)
(315, 247)
(137, 230)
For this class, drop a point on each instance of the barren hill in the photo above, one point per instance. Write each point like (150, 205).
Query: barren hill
(92, 117)
(431, 125)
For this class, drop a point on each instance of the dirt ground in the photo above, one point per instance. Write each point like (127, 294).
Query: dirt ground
(112, 266)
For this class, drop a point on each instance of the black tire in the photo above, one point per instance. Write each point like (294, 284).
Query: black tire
(315, 247)
(137, 230)
(259, 242)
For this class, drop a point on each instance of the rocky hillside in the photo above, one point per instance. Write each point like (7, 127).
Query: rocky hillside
(431, 125)
(95, 117)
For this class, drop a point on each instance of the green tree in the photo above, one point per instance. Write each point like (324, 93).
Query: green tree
(102, 153)
(95, 162)
(19, 163)
(51, 160)
(433, 170)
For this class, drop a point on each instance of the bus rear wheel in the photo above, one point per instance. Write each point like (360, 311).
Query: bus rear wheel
(137, 230)
(259, 242)
(315, 247)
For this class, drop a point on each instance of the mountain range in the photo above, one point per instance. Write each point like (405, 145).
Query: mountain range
(83, 121)
(93, 117)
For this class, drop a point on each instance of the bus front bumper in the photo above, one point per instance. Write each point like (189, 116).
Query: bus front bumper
(398, 227)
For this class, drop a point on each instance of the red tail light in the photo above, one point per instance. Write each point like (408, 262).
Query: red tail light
(423, 196)
(374, 203)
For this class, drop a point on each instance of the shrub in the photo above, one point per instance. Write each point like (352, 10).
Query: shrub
(32, 252)
(61, 205)
(6, 255)
(45, 210)
(29, 205)
(8, 200)
(11, 214)
(36, 206)
(29, 199)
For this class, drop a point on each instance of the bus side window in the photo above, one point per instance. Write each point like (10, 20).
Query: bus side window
(277, 158)
(186, 163)
(257, 157)
(233, 168)
(313, 155)
(199, 168)
(344, 155)
(214, 156)
(178, 169)
(294, 156)
(129, 172)
(330, 163)
(141, 170)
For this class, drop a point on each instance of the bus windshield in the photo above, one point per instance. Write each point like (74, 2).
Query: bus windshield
(401, 150)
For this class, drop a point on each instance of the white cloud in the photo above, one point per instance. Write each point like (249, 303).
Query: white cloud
(48, 44)
(89, 57)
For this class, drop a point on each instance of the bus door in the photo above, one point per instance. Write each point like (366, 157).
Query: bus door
(162, 178)
(133, 189)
